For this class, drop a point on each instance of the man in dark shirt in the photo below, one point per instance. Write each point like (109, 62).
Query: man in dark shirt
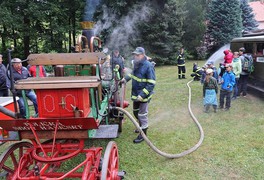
(20, 72)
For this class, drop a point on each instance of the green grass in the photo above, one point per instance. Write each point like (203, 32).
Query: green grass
(233, 147)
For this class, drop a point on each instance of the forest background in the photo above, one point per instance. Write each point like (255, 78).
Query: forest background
(160, 26)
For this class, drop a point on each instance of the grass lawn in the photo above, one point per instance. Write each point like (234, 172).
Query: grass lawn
(233, 147)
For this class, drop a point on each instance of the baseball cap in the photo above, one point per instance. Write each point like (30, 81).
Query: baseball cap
(16, 60)
(242, 49)
(139, 50)
(210, 63)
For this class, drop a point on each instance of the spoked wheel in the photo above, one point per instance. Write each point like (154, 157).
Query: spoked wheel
(110, 163)
(9, 159)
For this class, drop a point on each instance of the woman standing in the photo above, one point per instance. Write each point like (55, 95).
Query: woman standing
(210, 90)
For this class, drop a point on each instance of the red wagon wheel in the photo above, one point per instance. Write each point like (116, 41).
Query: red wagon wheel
(10, 158)
(110, 162)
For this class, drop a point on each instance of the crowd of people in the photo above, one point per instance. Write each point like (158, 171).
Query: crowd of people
(231, 76)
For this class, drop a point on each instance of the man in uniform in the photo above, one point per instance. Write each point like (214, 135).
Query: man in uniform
(181, 64)
(143, 83)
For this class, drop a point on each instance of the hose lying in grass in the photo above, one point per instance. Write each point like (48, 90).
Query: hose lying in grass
(171, 156)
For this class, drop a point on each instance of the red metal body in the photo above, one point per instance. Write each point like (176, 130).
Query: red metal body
(63, 102)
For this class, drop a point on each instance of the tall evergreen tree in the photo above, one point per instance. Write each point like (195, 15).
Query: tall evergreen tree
(224, 22)
(194, 25)
(248, 18)
(163, 34)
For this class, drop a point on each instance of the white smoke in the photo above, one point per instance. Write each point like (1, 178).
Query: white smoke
(126, 28)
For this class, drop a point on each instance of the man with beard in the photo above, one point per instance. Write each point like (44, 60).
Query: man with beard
(143, 83)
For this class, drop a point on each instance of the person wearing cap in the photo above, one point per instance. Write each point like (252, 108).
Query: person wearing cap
(243, 79)
(117, 59)
(20, 72)
(143, 83)
(210, 90)
(181, 64)
(4, 81)
(210, 65)
(228, 82)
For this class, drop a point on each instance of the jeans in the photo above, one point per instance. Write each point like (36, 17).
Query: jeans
(32, 97)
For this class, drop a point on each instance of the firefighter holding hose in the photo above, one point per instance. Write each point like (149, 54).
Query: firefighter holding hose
(143, 83)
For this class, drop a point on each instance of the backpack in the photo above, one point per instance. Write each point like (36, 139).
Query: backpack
(247, 64)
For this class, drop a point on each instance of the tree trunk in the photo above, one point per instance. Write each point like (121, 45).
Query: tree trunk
(70, 35)
(74, 28)
(4, 39)
(26, 40)
(14, 37)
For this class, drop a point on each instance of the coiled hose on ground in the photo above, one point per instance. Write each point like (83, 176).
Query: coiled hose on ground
(167, 155)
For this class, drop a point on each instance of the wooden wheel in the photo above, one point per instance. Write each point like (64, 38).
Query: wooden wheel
(10, 158)
(110, 162)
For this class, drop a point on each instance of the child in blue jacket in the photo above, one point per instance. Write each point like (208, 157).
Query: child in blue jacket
(228, 82)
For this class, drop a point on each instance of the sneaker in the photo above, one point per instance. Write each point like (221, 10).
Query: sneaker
(226, 109)
(233, 98)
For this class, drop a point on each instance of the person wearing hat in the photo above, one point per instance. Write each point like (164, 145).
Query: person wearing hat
(143, 83)
(228, 82)
(210, 65)
(20, 72)
(210, 90)
(4, 81)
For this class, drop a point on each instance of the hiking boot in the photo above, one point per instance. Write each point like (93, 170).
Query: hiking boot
(136, 131)
(140, 138)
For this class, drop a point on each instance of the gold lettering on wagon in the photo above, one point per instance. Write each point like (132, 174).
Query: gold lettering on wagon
(47, 126)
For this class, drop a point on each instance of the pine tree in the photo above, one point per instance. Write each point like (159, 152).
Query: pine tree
(163, 34)
(194, 26)
(248, 18)
(224, 22)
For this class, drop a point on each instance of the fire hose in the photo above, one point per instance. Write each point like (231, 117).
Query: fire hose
(154, 148)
